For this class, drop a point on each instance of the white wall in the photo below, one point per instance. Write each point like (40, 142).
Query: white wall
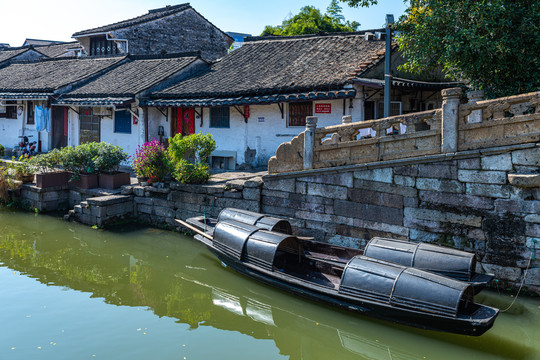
(10, 129)
(266, 130)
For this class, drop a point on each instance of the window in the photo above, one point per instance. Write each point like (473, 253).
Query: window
(298, 112)
(395, 109)
(100, 46)
(220, 117)
(9, 110)
(122, 122)
(30, 113)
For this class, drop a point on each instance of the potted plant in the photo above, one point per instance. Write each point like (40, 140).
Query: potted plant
(21, 170)
(107, 163)
(80, 161)
(48, 172)
(151, 162)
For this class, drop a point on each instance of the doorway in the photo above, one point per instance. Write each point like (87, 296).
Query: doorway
(59, 127)
(183, 121)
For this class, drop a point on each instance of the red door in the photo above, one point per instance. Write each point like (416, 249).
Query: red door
(185, 121)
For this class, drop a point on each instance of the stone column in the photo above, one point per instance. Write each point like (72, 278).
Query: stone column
(476, 115)
(450, 116)
(347, 119)
(309, 141)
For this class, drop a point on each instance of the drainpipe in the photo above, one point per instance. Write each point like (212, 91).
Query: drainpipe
(387, 55)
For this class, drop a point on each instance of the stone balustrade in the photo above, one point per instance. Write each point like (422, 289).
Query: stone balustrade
(455, 127)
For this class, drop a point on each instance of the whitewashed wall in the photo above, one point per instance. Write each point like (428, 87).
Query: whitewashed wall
(10, 129)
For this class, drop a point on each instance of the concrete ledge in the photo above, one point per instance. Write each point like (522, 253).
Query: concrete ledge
(108, 200)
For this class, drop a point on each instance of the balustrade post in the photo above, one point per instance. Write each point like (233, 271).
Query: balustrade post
(450, 117)
(347, 119)
(476, 115)
(309, 141)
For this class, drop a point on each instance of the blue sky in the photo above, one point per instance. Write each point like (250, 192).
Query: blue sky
(58, 19)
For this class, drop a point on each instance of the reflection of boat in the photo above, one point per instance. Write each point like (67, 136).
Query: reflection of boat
(375, 287)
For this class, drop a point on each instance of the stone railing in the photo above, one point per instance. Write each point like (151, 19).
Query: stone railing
(455, 127)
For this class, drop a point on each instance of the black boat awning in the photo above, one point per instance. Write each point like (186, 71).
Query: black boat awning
(251, 244)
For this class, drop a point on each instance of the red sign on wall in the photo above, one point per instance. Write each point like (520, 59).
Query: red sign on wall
(323, 108)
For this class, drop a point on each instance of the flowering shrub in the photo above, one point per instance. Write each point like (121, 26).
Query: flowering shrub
(151, 161)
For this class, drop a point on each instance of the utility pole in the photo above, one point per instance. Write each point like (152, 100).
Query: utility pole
(387, 64)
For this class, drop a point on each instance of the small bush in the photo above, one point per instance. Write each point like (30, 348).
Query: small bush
(80, 159)
(189, 155)
(151, 161)
(109, 157)
(2, 150)
(48, 162)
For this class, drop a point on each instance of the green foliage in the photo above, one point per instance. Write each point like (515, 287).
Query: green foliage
(189, 156)
(2, 150)
(47, 162)
(109, 157)
(491, 45)
(20, 167)
(310, 20)
(360, 3)
(80, 159)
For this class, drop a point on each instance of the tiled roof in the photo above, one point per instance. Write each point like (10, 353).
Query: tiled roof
(39, 42)
(47, 76)
(151, 16)
(279, 65)
(58, 50)
(138, 74)
(12, 52)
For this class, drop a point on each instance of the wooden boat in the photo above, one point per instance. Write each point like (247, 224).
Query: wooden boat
(374, 287)
(459, 265)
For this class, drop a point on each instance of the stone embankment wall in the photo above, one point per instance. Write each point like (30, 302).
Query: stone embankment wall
(472, 201)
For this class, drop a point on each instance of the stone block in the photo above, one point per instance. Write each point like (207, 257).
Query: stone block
(423, 236)
(191, 207)
(164, 212)
(329, 228)
(50, 196)
(503, 272)
(233, 194)
(387, 188)
(476, 234)
(108, 200)
(250, 193)
(376, 198)
(502, 162)
(143, 201)
(532, 230)
(484, 177)
(181, 196)
(138, 190)
(422, 224)
(507, 205)
(470, 164)
(487, 190)
(144, 209)
(276, 210)
(438, 171)
(162, 202)
(398, 230)
(255, 182)
(406, 181)
(383, 214)
(235, 184)
(275, 193)
(406, 170)
(286, 185)
(528, 157)
(456, 200)
(119, 209)
(383, 175)
(531, 207)
(524, 180)
(329, 191)
(347, 241)
(533, 218)
(410, 201)
(126, 190)
(533, 277)
(99, 211)
(308, 215)
(342, 179)
(434, 215)
(78, 209)
(450, 186)
(301, 187)
(238, 204)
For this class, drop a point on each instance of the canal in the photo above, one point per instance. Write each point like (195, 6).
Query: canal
(68, 291)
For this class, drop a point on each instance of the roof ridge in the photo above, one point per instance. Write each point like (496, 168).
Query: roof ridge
(66, 58)
(167, 8)
(196, 53)
(309, 36)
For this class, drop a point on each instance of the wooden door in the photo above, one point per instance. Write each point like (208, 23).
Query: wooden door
(183, 121)
(59, 127)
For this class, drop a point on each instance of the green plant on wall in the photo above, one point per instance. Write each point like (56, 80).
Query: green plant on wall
(2, 150)
(189, 156)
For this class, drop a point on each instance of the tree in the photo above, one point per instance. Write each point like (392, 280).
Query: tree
(491, 45)
(310, 20)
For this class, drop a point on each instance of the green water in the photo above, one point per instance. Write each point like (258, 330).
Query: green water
(70, 292)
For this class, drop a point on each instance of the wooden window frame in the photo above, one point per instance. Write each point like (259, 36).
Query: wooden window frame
(30, 113)
(298, 111)
(220, 117)
(122, 128)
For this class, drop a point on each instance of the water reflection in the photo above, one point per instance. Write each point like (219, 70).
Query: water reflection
(174, 276)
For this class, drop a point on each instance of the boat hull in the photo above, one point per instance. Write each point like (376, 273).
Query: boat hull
(458, 325)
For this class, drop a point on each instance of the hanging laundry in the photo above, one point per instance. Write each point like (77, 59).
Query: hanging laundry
(38, 115)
